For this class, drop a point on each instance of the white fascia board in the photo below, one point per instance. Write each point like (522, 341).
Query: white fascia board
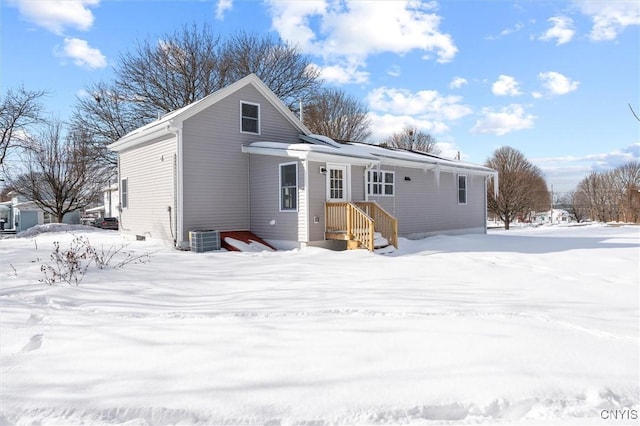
(391, 161)
(334, 158)
(310, 155)
(275, 152)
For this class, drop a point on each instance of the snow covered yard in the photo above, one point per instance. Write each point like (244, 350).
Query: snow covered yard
(530, 326)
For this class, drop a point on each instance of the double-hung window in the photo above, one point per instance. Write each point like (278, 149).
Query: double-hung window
(380, 182)
(250, 117)
(124, 193)
(462, 189)
(288, 187)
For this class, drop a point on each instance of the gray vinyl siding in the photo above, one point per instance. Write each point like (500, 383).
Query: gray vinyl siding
(216, 172)
(423, 206)
(149, 171)
(265, 199)
(357, 183)
(317, 197)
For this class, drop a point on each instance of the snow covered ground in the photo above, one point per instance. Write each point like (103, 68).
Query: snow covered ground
(528, 326)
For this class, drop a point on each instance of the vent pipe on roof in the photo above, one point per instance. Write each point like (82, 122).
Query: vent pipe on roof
(301, 115)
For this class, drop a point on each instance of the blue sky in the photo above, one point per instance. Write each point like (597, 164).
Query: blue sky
(552, 79)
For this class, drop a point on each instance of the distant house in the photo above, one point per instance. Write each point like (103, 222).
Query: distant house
(109, 206)
(20, 214)
(239, 159)
(554, 216)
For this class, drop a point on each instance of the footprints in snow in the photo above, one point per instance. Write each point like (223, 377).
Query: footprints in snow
(34, 343)
(36, 340)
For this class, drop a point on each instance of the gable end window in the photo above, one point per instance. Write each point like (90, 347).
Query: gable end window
(250, 117)
(124, 193)
(289, 187)
(380, 183)
(462, 189)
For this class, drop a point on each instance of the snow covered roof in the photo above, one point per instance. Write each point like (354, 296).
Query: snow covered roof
(319, 148)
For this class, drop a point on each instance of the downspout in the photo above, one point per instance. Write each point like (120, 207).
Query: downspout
(486, 204)
(179, 207)
(249, 189)
(307, 209)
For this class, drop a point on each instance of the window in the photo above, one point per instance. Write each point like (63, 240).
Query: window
(250, 117)
(336, 184)
(48, 218)
(124, 193)
(380, 183)
(462, 189)
(289, 187)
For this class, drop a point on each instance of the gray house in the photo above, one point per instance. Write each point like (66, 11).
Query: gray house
(240, 160)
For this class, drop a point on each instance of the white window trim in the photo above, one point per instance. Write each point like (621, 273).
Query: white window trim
(124, 194)
(369, 184)
(294, 163)
(242, 116)
(466, 189)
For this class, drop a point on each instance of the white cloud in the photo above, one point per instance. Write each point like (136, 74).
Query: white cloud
(394, 71)
(384, 125)
(339, 74)
(556, 83)
(566, 172)
(561, 30)
(537, 95)
(502, 121)
(223, 6)
(424, 103)
(610, 18)
(457, 82)
(427, 110)
(506, 86)
(82, 54)
(353, 30)
(56, 15)
(517, 27)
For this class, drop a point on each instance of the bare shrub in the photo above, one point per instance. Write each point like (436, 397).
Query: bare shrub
(71, 265)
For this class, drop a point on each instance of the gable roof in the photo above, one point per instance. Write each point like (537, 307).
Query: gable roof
(168, 122)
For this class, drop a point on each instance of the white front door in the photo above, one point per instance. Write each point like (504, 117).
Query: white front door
(337, 182)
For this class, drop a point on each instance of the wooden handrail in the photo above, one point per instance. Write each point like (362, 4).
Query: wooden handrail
(362, 227)
(385, 223)
(359, 221)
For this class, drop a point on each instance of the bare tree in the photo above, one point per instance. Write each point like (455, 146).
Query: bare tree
(331, 112)
(162, 76)
(105, 115)
(522, 186)
(287, 72)
(573, 203)
(157, 77)
(413, 140)
(593, 191)
(57, 173)
(19, 110)
(634, 113)
(628, 177)
(612, 195)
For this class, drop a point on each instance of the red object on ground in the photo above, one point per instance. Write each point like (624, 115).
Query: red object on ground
(244, 236)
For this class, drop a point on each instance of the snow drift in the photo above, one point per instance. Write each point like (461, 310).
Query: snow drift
(531, 326)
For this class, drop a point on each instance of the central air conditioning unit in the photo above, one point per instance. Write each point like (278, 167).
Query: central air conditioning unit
(206, 240)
